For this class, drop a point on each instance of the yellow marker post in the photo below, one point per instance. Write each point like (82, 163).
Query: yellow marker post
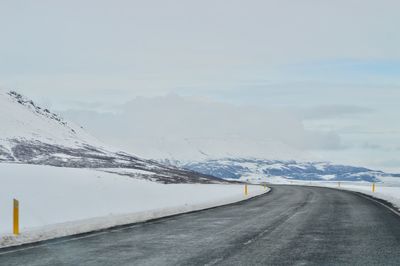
(265, 186)
(246, 192)
(373, 187)
(16, 217)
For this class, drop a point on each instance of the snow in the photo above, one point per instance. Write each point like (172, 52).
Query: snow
(328, 177)
(275, 166)
(55, 202)
(320, 166)
(22, 120)
(32, 134)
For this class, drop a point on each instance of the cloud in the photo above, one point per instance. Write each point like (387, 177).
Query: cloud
(157, 46)
(372, 146)
(175, 126)
(334, 111)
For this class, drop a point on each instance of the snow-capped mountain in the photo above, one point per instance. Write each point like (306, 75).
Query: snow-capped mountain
(258, 170)
(34, 135)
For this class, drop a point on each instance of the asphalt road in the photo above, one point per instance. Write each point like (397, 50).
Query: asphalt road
(291, 225)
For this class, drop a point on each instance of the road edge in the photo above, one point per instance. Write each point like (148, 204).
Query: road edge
(385, 203)
(28, 245)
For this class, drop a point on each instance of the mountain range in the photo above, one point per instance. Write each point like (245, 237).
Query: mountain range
(278, 171)
(30, 134)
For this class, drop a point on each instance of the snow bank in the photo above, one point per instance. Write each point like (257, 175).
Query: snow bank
(56, 202)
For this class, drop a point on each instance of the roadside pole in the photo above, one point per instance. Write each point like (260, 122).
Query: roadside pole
(16, 217)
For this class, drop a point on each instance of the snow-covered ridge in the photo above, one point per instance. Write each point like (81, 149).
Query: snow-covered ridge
(31, 134)
(37, 109)
(22, 119)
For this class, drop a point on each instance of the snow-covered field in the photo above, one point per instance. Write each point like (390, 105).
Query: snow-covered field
(56, 202)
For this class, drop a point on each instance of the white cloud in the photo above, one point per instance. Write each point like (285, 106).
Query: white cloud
(188, 128)
(333, 111)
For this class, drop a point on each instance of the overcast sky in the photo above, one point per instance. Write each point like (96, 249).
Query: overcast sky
(325, 74)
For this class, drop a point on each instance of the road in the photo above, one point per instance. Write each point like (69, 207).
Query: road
(291, 225)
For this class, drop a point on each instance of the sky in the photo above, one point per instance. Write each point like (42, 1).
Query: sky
(307, 79)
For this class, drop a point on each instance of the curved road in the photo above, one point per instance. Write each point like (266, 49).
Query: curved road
(291, 225)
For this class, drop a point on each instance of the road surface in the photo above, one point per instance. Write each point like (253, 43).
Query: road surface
(291, 225)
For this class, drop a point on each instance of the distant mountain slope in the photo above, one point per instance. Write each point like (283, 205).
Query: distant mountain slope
(34, 135)
(267, 170)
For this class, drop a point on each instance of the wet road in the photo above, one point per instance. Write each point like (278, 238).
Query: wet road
(291, 225)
